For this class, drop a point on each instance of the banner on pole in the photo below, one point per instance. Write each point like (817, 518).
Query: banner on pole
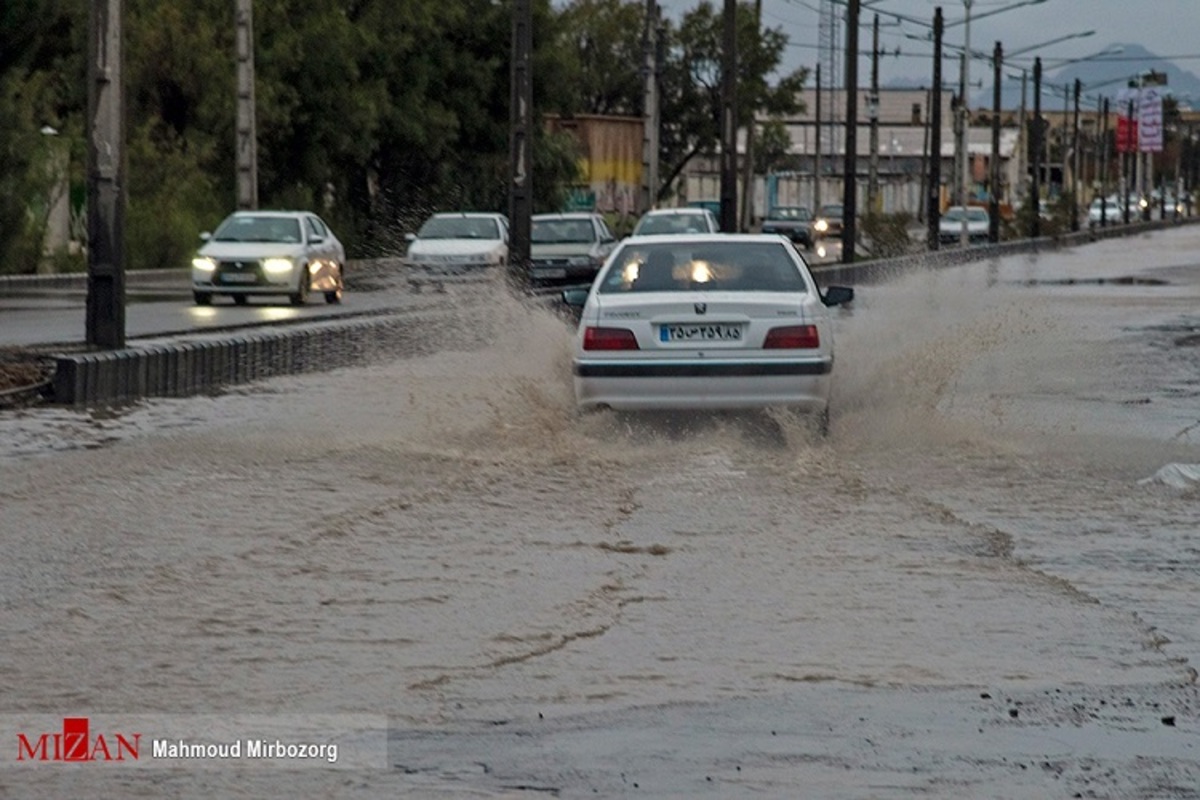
(1150, 120)
(1127, 135)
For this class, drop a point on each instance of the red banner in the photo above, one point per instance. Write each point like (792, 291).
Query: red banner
(1127, 135)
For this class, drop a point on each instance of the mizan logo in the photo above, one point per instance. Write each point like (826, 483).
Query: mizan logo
(75, 743)
(701, 308)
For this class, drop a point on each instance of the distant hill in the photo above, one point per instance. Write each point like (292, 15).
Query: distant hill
(1101, 78)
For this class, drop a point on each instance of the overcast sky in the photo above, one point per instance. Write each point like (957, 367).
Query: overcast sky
(1165, 27)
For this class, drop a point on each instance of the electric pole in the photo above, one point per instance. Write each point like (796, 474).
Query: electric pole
(1035, 191)
(650, 111)
(850, 163)
(729, 119)
(748, 166)
(247, 138)
(817, 161)
(105, 183)
(520, 193)
(873, 204)
(994, 199)
(935, 136)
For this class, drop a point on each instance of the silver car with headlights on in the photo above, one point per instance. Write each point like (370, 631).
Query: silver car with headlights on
(707, 321)
(290, 253)
(568, 247)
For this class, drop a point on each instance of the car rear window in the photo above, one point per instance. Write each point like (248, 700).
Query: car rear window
(459, 228)
(703, 266)
(672, 223)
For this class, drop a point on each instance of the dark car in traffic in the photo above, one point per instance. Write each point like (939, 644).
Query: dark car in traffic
(794, 222)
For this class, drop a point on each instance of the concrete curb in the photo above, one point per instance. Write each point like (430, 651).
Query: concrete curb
(205, 365)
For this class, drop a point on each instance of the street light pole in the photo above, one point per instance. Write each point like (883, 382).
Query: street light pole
(729, 216)
(1075, 161)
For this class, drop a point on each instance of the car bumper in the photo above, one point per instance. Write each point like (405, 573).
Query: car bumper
(560, 273)
(660, 385)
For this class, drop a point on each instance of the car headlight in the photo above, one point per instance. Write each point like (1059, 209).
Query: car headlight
(204, 263)
(277, 265)
(821, 226)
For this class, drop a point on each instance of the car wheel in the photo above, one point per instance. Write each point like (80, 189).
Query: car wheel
(241, 299)
(300, 296)
(821, 423)
(202, 298)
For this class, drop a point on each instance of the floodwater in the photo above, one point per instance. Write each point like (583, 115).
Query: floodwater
(975, 587)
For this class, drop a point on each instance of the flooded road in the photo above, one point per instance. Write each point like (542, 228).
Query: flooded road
(975, 587)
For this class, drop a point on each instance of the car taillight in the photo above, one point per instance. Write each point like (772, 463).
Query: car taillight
(793, 337)
(609, 339)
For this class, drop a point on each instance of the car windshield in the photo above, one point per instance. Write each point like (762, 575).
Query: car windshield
(972, 215)
(703, 266)
(459, 228)
(671, 223)
(831, 211)
(789, 213)
(562, 231)
(248, 228)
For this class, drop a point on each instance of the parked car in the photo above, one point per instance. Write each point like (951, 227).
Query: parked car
(290, 253)
(460, 240)
(660, 221)
(568, 247)
(794, 222)
(951, 224)
(704, 321)
(828, 221)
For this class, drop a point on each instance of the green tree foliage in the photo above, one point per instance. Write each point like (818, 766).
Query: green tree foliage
(691, 84)
(371, 112)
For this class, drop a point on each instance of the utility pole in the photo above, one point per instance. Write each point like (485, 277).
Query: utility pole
(1104, 165)
(817, 160)
(247, 138)
(1131, 152)
(748, 167)
(1075, 161)
(935, 136)
(729, 119)
(873, 204)
(106, 169)
(520, 191)
(994, 193)
(650, 109)
(1035, 199)
(964, 110)
(850, 164)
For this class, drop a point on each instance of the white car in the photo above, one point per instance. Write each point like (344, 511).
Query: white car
(1110, 209)
(692, 219)
(951, 223)
(568, 247)
(704, 321)
(288, 253)
(458, 241)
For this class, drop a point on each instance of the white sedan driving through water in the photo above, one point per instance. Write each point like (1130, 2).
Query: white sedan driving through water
(707, 321)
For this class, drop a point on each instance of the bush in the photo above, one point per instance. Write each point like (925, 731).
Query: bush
(887, 235)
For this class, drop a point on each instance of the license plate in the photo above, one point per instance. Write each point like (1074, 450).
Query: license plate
(700, 333)
(239, 277)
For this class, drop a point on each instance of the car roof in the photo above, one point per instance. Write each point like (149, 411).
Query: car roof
(702, 238)
(468, 215)
(252, 212)
(689, 210)
(567, 215)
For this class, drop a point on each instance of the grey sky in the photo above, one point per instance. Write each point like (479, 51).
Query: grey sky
(1165, 27)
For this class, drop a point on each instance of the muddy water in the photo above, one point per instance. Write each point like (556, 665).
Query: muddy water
(439, 538)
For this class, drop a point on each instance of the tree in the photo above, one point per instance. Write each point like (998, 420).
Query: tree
(691, 84)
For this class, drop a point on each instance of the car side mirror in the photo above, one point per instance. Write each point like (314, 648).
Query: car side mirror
(575, 298)
(204, 237)
(837, 295)
(316, 239)
(410, 237)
